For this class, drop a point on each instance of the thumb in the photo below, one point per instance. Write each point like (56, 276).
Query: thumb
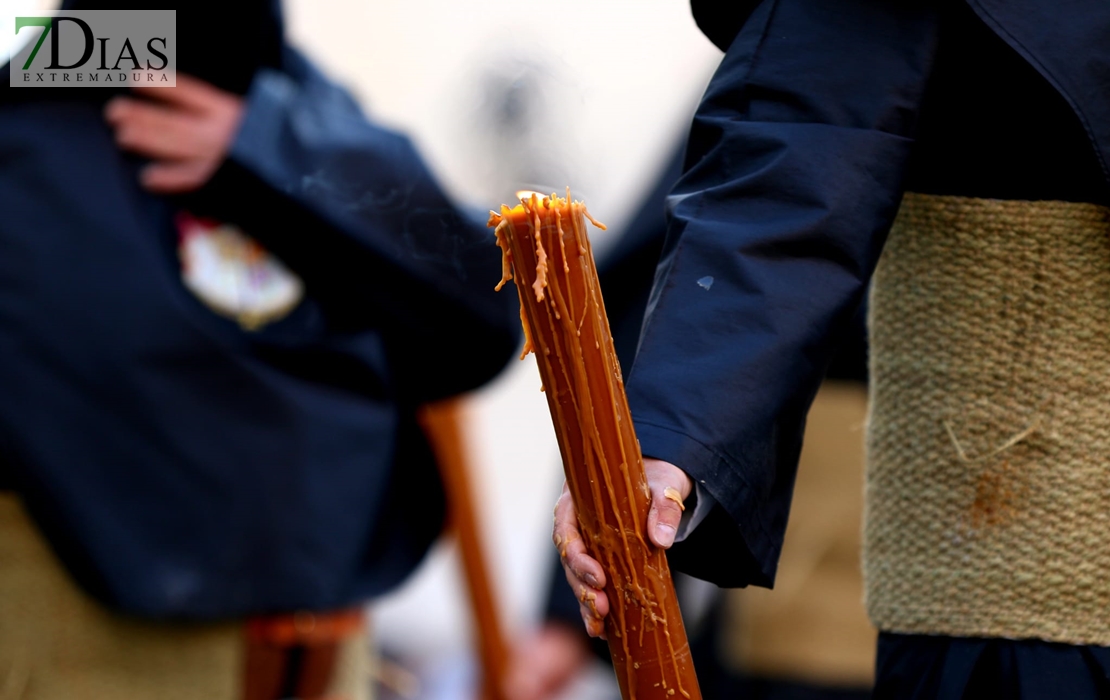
(669, 485)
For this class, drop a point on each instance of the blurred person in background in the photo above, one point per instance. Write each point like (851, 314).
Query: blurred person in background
(955, 152)
(221, 305)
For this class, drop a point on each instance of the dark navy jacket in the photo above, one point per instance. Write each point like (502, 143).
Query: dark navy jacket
(818, 117)
(182, 466)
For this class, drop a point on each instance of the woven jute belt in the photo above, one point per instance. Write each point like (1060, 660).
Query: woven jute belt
(988, 485)
(56, 643)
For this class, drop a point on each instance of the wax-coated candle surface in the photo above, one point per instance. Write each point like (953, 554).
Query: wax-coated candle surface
(548, 255)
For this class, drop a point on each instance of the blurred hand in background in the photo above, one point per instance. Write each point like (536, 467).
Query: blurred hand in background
(185, 130)
(545, 663)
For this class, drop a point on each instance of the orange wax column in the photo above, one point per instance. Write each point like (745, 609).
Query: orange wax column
(548, 255)
(443, 424)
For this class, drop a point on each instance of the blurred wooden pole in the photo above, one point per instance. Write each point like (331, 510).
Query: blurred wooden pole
(549, 258)
(442, 423)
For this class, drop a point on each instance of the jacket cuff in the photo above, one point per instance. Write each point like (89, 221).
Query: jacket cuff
(729, 544)
(697, 506)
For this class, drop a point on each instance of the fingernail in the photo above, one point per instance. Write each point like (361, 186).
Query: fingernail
(592, 580)
(664, 534)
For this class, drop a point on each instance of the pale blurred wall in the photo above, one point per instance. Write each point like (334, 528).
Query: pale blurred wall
(619, 80)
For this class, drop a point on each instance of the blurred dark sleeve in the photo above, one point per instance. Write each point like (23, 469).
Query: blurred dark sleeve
(352, 207)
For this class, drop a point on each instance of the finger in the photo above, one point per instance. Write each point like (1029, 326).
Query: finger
(153, 130)
(593, 604)
(664, 515)
(191, 93)
(572, 550)
(594, 626)
(175, 177)
(584, 574)
(589, 598)
(593, 601)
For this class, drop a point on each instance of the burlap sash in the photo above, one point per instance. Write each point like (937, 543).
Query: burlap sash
(988, 486)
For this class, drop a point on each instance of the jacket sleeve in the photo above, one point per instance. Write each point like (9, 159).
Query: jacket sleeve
(352, 207)
(793, 175)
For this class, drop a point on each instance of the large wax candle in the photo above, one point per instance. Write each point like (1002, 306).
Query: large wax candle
(547, 254)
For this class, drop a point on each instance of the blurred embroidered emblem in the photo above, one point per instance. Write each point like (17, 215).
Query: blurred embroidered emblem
(233, 274)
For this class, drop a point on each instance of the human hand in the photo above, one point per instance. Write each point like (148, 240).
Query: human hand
(185, 130)
(669, 486)
(545, 663)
